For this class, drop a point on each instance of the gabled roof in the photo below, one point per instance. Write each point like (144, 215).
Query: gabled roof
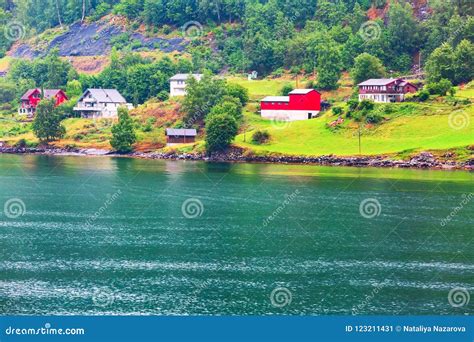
(105, 95)
(50, 93)
(378, 81)
(301, 91)
(29, 92)
(184, 77)
(181, 132)
(276, 99)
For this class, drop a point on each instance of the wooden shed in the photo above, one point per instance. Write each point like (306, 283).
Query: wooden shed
(180, 136)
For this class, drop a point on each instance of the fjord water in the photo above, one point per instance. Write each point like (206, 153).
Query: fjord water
(111, 236)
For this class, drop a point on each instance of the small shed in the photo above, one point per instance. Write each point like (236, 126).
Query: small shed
(180, 136)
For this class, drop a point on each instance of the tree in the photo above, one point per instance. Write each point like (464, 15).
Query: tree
(123, 133)
(238, 91)
(220, 131)
(47, 123)
(229, 107)
(329, 66)
(286, 89)
(440, 64)
(201, 96)
(73, 88)
(365, 67)
(464, 62)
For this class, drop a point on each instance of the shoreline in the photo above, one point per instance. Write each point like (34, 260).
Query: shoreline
(423, 160)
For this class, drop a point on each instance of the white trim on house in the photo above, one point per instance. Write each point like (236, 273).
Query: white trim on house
(382, 98)
(100, 103)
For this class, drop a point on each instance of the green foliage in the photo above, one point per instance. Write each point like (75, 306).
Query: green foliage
(260, 137)
(201, 97)
(286, 89)
(73, 88)
(423, 95)
(239, 92)
(336, 110)
(440, 88)
(220, 132)
(47, 123)
(123, 133)
(228, 107)
(366, 67)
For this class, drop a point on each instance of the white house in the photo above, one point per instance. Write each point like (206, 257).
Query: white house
(178, 83)
(100, 103)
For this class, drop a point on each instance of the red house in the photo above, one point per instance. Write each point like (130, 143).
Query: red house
(29, 101)
(385, 90)
(301, 104)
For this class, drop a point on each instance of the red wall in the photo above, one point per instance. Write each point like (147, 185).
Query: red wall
(310, 101)
(60, 98)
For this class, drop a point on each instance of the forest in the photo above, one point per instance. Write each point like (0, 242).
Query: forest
(326, 37)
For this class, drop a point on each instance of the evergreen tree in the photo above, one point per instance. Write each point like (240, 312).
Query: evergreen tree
(47, 123)
(123, 133)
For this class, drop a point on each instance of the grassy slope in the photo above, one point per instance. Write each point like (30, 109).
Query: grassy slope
(420, 127)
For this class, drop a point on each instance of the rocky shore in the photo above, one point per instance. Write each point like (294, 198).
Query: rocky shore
(423, 160)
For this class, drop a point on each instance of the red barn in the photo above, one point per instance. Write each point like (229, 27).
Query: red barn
(301, 104)
(29, 101)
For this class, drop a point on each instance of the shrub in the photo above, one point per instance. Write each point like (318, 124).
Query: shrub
(366, 105)
(441, 88)
(166, 29)
(163, 95)
(374, 117)
(337, 110)
(20, 143)
(423, 95)
(123, 134)
(260, 137)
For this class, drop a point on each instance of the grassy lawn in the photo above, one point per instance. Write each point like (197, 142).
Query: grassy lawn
(425, 128)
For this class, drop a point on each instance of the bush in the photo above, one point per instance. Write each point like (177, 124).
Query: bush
(20, 143)
(374, 118)
(260, 137)
(423, 95)
(336, 110)
(440, 88)
(366, 105)
(163, 95)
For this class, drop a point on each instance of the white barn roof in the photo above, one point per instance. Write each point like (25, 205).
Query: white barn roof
(276, 99)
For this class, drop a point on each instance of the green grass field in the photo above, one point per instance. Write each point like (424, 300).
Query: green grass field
(422, 127)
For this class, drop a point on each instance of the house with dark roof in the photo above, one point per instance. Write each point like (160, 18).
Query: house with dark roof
(180, 136)
(300, 104)
(100, 103)
(29, 101)
(385, 90)
(178, 83)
